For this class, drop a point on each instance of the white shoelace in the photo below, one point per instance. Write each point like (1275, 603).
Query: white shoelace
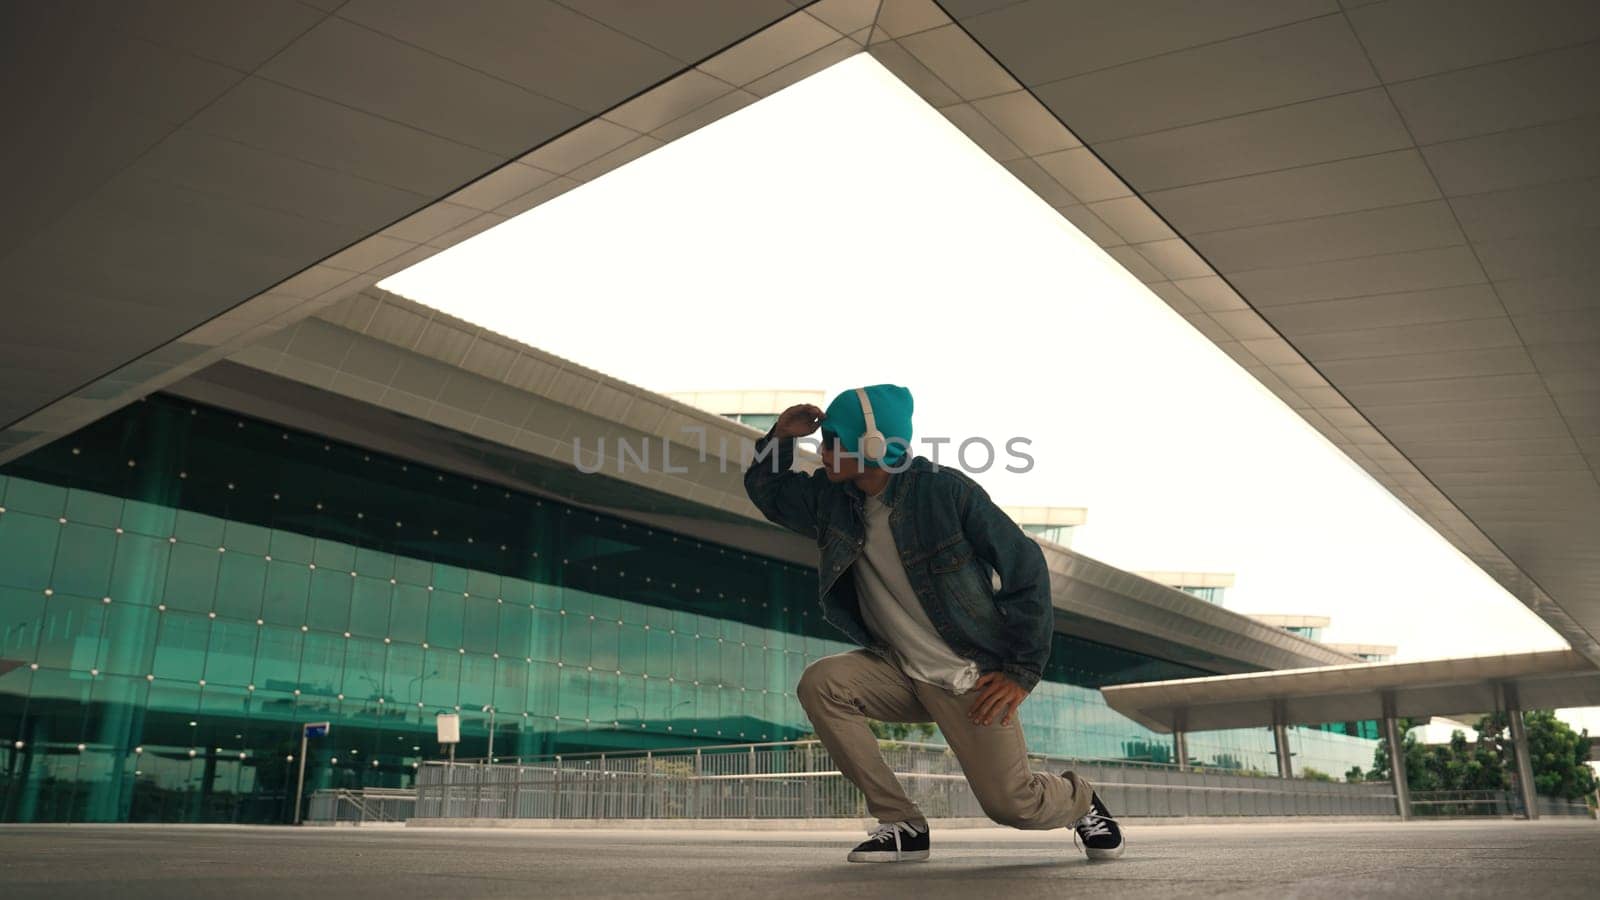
(1090, 826)
(891, 831)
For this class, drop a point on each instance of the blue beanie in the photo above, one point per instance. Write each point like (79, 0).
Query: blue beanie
(891, 409)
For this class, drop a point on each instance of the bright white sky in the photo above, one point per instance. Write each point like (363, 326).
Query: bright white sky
(842, 232)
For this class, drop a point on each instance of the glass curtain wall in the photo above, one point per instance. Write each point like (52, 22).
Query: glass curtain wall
(181, 587)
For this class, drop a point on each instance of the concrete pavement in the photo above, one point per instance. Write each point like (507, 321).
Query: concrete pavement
(1548, 858)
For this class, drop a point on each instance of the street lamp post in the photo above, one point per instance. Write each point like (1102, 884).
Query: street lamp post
(308, 730)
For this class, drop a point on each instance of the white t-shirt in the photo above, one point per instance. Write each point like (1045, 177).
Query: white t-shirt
(892, 612)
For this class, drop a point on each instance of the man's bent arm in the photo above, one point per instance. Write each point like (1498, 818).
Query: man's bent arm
(786, 498)
(1024, 594)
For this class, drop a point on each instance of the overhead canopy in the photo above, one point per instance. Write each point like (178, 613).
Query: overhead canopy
(1386, 212)
(1545, 680)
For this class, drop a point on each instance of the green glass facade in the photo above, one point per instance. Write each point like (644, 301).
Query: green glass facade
(180, 588)
(1208, 594)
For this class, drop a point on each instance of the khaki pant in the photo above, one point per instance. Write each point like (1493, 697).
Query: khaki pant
(841, 692)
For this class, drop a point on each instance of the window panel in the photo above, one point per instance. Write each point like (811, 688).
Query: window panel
(20, 625)
(510, 686)
(241, 581)
(605, 639)
(576, 630)
(148, 519)
(278, 659)
(449, 579)
(115, 714)
(657, 653)
(128, 641)
(631, 703)
(26, 496)
(27, 549)
(516, 591)
(290, 547)
(196, 528)
(631, 654)
(92, 508)
(329, 609)
(364, 662)
(369, 607)
(483, 584)
(572, 701)
(322, 664)
(477, 681)
(181, 647)
(334, 555)
(408, 618)
(231, 655)
(544, 686)
(408, 570)
(59, 703)
(374, 564)
(546, 642)
(514, 636)
(403, 674)
(602, 697)
(547, 595)
(241, 537)
(288, 586)
(682, 710)
(70, 636)
(192, 577)
(708, 659)
(442, 679)
(481, 623)
(139, 570)
(445, 614)
(685, 652)
(657, 697)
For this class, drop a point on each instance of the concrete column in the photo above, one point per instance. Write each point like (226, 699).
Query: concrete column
(1280, 736)
(1180, 750)
(1397, 762)
(1519, 739)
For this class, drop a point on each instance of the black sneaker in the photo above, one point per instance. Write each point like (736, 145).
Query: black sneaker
(893, 842)
(1101, 835)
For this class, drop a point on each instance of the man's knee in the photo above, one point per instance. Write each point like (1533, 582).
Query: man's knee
(1021, 807)
(817, 682)
(1013, 814)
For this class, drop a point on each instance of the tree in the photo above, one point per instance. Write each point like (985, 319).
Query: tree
(1558, 754)
(901, 731)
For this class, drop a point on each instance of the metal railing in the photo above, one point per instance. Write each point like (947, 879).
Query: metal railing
(360, 807)
(1462, 804)
(1452, 804)
(798, 779)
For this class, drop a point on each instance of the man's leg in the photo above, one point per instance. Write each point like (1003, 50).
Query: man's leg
(995, 760)
(839, 693)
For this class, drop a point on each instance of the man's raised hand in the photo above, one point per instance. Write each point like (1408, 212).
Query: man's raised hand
(798, 421)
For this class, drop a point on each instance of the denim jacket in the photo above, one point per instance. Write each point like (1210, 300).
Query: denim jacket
(952, 539)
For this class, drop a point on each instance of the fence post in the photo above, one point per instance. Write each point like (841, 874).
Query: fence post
(694, 787)
(477, 804)
(516, 794)
(750, 790)
(808, 806)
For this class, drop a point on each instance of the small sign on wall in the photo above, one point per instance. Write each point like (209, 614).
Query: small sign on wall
(449, 726)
